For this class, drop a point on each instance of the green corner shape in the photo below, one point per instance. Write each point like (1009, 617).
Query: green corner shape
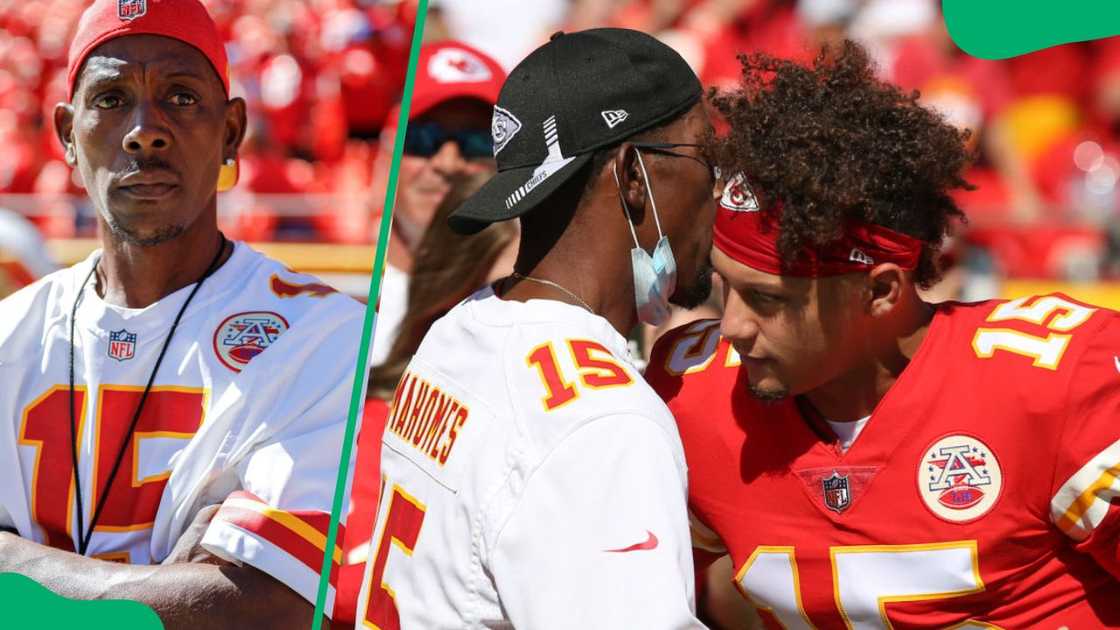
(28, 604)
(998, 29)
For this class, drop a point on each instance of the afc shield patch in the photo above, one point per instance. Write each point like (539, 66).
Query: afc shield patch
(959, 478)
(837, 492)
(243, 336)
(128, 10)
(122, 345)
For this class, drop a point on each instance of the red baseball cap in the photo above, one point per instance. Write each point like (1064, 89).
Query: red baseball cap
(184, 20)
(450, 70)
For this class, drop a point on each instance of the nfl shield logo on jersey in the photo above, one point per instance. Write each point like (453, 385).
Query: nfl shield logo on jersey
(837, 494)
(122, 345)
(128, 10)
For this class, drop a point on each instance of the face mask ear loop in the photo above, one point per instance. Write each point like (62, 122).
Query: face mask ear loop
(625, 207)
(649, 187)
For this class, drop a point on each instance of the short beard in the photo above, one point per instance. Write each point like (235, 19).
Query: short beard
(698, 292)
(769, 396)
(160, 235)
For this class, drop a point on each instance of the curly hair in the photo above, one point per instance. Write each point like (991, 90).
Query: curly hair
(833, 143)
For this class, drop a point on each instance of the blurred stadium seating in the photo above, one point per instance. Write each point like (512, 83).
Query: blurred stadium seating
(319, 77)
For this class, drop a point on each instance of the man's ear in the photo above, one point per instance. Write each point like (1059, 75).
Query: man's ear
(235, 126)
(64, 129)
(886, 284)
(631, 184)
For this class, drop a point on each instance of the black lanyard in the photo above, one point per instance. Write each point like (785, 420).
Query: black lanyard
(85, 536)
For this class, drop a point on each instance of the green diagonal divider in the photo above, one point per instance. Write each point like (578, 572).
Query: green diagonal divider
(37, 607)
(358, 391)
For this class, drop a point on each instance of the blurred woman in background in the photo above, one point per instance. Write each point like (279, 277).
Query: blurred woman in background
(447, 269)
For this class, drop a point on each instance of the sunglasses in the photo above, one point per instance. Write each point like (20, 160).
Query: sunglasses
(426, 139)
(664, 149)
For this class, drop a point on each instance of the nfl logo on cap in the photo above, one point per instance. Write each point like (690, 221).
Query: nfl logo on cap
(122, 345)
(128, 10)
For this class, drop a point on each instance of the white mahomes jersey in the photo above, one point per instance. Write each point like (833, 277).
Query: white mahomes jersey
(531, 479)
(248, 410)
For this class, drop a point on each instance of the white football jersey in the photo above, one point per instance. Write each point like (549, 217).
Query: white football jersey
(248, 409)
(531, 478)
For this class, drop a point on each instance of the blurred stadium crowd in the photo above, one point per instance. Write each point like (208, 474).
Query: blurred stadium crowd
(1045, 126)
(322, 78)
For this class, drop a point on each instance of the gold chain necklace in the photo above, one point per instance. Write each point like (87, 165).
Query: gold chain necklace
(549, 283)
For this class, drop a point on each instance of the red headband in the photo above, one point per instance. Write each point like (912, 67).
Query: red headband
(184, 20)
(750, 236)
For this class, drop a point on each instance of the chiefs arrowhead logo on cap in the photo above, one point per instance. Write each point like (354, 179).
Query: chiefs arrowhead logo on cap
(503, 127)
(455, 65)
(737, 196)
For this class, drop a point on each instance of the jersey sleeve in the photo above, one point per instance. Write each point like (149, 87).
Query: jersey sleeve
(600, 538)
(279, 523)
(1086, 497)
(7, 523)
(688, 349)
(278, 520)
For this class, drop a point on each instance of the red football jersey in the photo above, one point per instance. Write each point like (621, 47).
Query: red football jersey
(981, 493)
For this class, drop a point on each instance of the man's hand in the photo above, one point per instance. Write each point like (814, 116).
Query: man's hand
(189, 546)
(722, 606)
(199, 593)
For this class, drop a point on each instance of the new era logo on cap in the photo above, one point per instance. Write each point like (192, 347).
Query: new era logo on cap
(129, 10)
(455, 65)
(614, 117)
(859, 256)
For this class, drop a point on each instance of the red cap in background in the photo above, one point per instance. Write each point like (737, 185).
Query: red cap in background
(450, 70)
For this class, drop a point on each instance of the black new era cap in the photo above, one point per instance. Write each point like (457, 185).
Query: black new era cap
(579, 92)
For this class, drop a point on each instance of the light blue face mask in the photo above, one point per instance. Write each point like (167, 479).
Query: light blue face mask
(655, 277)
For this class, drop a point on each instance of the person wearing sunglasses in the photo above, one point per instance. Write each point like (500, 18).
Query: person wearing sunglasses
(447, 137)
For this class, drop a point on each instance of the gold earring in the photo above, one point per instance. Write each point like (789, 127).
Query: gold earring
(227, 175)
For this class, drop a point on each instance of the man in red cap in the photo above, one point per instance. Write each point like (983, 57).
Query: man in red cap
(148, 450)
(448, 137)
(867, 459)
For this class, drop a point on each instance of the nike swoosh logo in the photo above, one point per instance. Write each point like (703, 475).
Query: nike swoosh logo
(647, 544)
